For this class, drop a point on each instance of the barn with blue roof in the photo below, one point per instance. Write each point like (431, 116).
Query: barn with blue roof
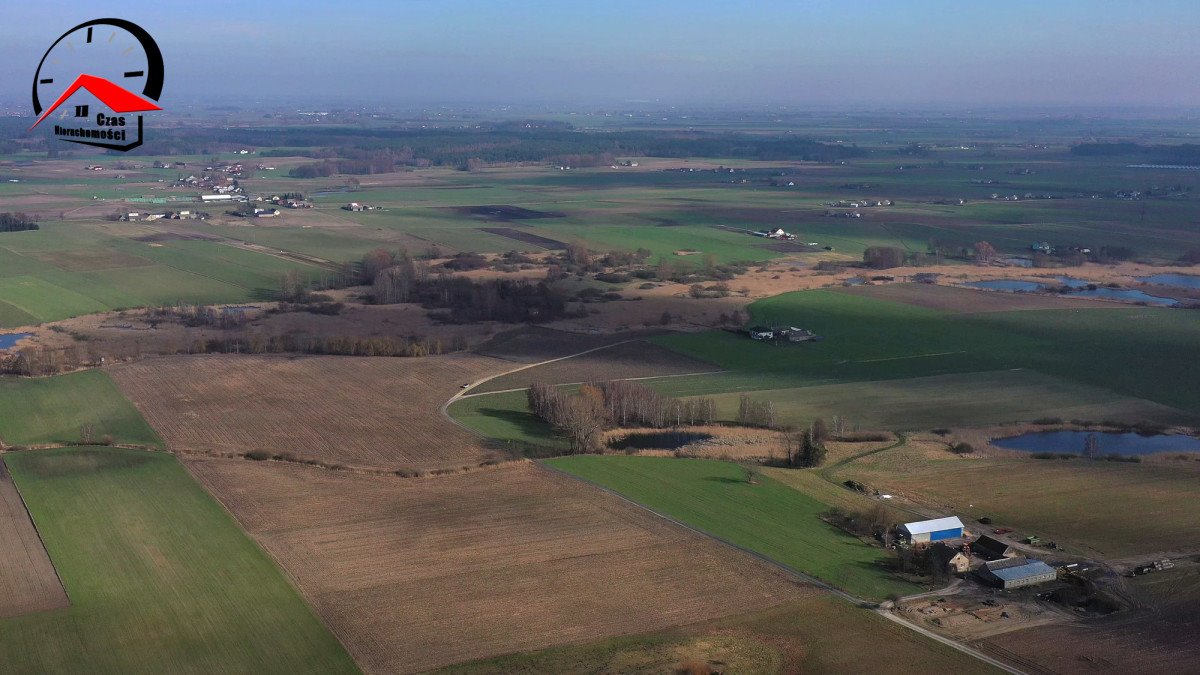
(925, 531)
(1017, 572)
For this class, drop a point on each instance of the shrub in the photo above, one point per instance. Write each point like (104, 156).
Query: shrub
(613, 277)
(1048, 420)
(258, 455)
(863, 437)
(962, 448)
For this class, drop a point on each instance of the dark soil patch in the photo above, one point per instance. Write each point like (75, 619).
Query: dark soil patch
(790, 247)
(504, 212)
(526, 237)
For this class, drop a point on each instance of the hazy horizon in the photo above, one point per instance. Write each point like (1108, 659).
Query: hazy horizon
(924, 54)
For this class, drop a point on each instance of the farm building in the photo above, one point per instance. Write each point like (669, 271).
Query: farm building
(925, 531)
(951, 558)
(1017, 572)
(989, 548)
(789, 333)
(761, 333)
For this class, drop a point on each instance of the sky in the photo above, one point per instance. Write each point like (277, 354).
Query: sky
(800, 53)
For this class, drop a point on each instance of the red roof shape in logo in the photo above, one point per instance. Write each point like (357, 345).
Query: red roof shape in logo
(117, 99)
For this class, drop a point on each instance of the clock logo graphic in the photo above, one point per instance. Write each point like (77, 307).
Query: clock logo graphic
(107, 69)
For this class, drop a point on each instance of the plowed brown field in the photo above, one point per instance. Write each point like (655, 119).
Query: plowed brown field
(370, 413)
(28, 582)
(412, 574)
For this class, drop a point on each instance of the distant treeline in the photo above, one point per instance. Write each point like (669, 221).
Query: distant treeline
(497, 143)
(326, 345)
(17, 222)
(1187, 153)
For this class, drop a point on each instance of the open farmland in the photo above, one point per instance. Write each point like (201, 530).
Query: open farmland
(413, 574)
(768, 517)
(1113, 509)
(870, 339)
(28, 582)
(634, 359)
(816, 634)
(56, 410)
(160, 578)
(73, 268)
(964, 399)
(960, 399)
(371, 413)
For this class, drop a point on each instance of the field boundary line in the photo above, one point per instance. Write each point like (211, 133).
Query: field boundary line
(445, 409)
(796, 575)
(619, 379)
(5, 473)
(292, 581)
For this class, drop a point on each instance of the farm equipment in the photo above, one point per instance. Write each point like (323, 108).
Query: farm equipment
(1033, 540)
(1156, 566)
(1002, 530)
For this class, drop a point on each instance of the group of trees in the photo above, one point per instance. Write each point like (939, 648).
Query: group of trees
(805, 447)
(752, 413)
(358, 162)
(17, 222)
(583, 417)
(396, 277)
(327, 345)
(883, 257)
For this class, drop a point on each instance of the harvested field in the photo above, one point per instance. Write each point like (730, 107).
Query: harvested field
(526, 237)
(968, 300)
(413, 574)
(504, 212)
(1162, 639)
(618, 362)
(367, 413)
(28, 582)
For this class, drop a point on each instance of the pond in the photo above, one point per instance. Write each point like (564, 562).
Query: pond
(1010, 285)
(1179, 280)
(9, 340)
(1108, 442)
(1126, 294)
(1079, 287)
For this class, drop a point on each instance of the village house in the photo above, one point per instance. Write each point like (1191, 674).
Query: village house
(951, 559)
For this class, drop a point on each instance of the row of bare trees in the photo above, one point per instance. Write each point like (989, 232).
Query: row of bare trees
(752, 413)
(583, 417)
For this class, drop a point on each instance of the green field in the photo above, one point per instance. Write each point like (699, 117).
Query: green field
(160, 578)
(505, 417)
(958, 400)
(54, 410)
(1134, 351)
(816, 635)
(69, 269)
(768, 517)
